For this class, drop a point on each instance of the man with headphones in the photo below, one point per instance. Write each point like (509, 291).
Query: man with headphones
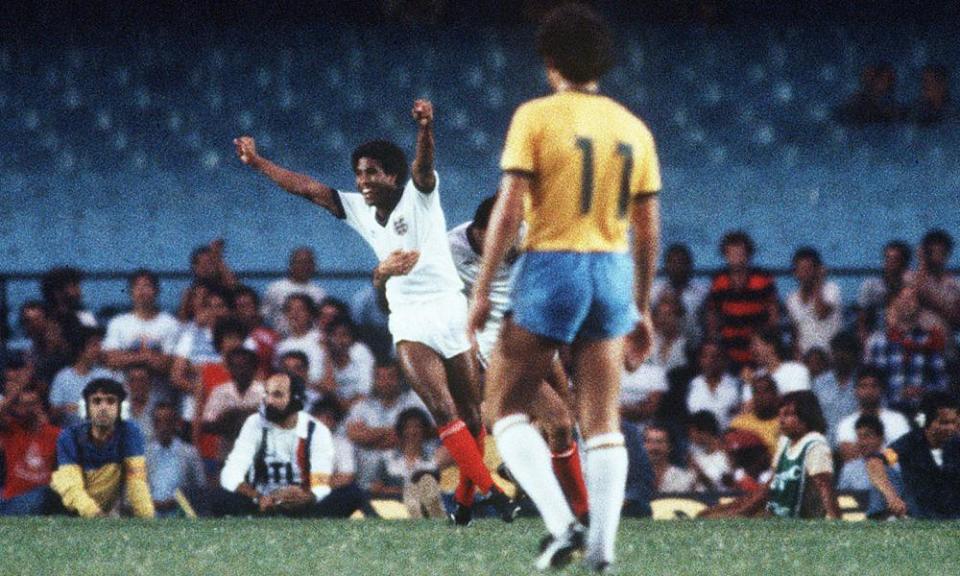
(98, 457)
(282, 461)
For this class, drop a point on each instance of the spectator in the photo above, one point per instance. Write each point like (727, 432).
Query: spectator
(708, 460)
(328, 310)
(802, 476)
(713, 389)
(208, 266)
(910, 352)
(874, 102)
(282, 461)
(742, 300)
(144, 396)
(817, 362)
(196, 346)
(47, 350)
(668, 478)
(760, 417)
(172, 465)
(869, 391)
(228, 405)
(98, 457)
(749, 459)
(344, 460)
(642, 387)
(63, 299)
(815, 307)
(877, 293)
(299, 280)
(67, 388)
(301, 313)
(855, 475)
(28, 451)
(929, 461)
(834, 388)
(410, 471)
(771, 355)
(348, 364)
(937, 289)
(371, 422)
(246, 304)
(678, 267)
(669, 343)
(146, 335)
(295, 362)
(933, 105)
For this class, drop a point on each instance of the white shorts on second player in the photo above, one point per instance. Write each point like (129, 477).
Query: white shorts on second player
(441, 324)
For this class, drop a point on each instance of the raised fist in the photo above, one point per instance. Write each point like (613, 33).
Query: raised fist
(423, 112)
(246, 149)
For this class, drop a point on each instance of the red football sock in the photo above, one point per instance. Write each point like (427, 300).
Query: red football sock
(463, 448)
(465, 489)
(566, 465)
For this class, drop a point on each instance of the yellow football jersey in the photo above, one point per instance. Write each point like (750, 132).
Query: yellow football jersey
(588, 158)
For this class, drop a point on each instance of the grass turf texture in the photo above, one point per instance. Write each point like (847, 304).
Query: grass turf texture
(262, 547)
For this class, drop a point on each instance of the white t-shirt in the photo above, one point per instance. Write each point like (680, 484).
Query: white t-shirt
(130, 332)
(636, 386)
(226, 397)
(812, 331)
(722, 402)
(278, 292)
(895, 425)
(713, 465)
(416, 223)
(309, 344)
(372, 412)
(791, 377)
(356, 378)
(281, 456)
(344, 460)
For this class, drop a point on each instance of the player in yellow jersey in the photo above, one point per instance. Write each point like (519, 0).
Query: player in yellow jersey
(583, 171)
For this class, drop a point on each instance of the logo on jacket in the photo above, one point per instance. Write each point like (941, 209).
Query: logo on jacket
(400, 226)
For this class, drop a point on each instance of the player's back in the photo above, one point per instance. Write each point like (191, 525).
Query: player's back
(589, 157)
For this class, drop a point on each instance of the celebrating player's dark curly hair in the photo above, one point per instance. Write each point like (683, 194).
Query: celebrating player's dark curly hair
(388, 154)
(574, 40)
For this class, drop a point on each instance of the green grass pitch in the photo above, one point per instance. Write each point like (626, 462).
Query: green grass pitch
(262, 547)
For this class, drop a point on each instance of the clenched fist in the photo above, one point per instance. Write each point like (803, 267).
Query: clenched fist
(423, 112)
(246, 149)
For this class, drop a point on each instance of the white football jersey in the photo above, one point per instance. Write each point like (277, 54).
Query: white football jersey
(416, 223)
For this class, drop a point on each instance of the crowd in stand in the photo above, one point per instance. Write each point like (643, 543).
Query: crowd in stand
(738, 373)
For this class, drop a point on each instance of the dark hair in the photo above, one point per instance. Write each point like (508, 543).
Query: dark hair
(845, 342)
(227, 326)
(144, 273)
(329, 405)
(937, 236)
(932, 403)
(872, 422)
(298, 354)
(704, 421)
(197, 252)
(808, 409)
(56, 279)
(903, 248)
(737, 237)
(246, 353)
(80, 338)
(244, 290)
(481, 216)
(679, 248)
(342, 307)
(575, 41)
(298, 393)
(341, 322)
(305, 299)
(389, 155)
(413, 414)
(165, 405)
(872, 372)
(105, 386)
(386, 362)
(215, 290)
(807, 253)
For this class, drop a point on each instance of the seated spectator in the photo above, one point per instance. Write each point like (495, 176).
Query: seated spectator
(411, 471)
(144, 396)
(669, 345)
(66, 391)
(301, 268)
(678, 267)
(933, 105)
(834, 388)
(28, 452)
(929, 462)
(344, 460)
(99, 457)
(855, 476)
(246, 303)
(801, 485)
(772, 356)
(874, 102)
(301, 314)
(817, 362)
(870, 394)
(208, 266)
(63, 299)
(815, 308)
(910, 352)
(713, 389)
(172, 465)
(668, 478)
(641, 389)
(329, 310)
(348, 364)
(749, 460)
(371, 422)
(296, 363)
(230, 404)
(937, 290)
(761, 415)
(708, 460)
(195, 346)
(877, 293)
(742, 300)
(282, 461)
(146, 335)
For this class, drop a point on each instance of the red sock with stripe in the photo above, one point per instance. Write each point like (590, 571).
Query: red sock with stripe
(566, 466)
(462, 446)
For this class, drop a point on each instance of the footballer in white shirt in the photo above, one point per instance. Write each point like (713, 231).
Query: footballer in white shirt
(427, 307)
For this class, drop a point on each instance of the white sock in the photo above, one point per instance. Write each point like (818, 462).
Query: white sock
(606, 481)
(527, 455)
